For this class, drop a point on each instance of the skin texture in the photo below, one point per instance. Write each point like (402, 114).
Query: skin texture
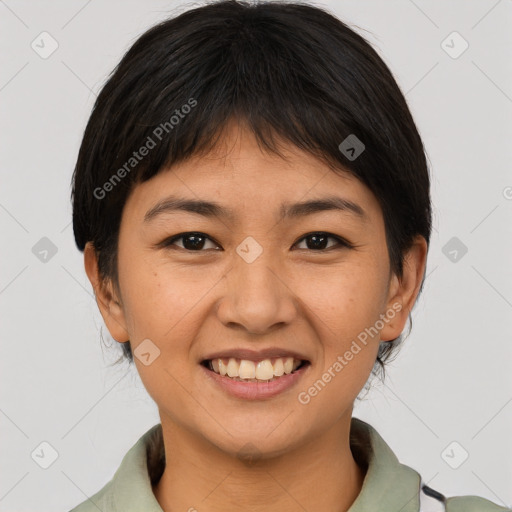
(293, 296)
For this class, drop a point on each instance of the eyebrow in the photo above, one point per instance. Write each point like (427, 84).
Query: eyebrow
(212, 209)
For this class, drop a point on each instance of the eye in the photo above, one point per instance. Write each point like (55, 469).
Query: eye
(195, 241)
(319, 240)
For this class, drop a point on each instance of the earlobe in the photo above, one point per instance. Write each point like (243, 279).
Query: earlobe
(403, 292)
(108, 303)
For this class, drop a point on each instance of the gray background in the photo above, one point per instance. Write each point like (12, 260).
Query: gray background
(451, 381)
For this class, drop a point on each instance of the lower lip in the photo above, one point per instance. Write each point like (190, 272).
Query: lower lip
(256, 390)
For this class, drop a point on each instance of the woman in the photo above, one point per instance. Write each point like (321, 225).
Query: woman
(252, 199)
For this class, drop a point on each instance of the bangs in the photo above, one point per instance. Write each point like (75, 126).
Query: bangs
(252, 76)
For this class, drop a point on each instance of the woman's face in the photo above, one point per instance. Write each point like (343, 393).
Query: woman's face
(254, 286)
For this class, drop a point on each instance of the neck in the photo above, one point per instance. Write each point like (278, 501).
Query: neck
(320, 475)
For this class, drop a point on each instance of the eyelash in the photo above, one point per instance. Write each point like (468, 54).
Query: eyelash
(342, 243)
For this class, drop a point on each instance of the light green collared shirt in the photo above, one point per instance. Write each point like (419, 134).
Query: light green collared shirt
(388, 486)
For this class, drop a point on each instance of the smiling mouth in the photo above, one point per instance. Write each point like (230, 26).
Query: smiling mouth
(245, 370)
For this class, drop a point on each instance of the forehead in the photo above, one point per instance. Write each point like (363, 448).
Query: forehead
(241, 177)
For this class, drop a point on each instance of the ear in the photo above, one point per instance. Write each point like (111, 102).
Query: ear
(403, 292)
(108, 303)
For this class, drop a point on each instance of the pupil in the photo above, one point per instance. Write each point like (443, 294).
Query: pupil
(194, 245)
(322, 239)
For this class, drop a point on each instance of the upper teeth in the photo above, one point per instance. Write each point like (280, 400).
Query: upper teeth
(261, 370)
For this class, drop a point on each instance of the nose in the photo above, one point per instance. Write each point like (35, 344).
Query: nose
(257, 298)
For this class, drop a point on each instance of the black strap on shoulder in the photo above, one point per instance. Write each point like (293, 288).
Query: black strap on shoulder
(433, 494)
(431, 501)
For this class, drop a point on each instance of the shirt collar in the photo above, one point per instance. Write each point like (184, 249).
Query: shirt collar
(387, 482)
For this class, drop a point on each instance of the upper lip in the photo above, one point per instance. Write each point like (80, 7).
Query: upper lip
(255, 355)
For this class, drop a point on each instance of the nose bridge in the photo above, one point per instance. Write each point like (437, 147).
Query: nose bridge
(257, 297)
(258, 276)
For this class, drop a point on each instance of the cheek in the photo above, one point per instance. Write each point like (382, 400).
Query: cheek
(156, 297)
(345, 300)
(343, 307)
(159, 306)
